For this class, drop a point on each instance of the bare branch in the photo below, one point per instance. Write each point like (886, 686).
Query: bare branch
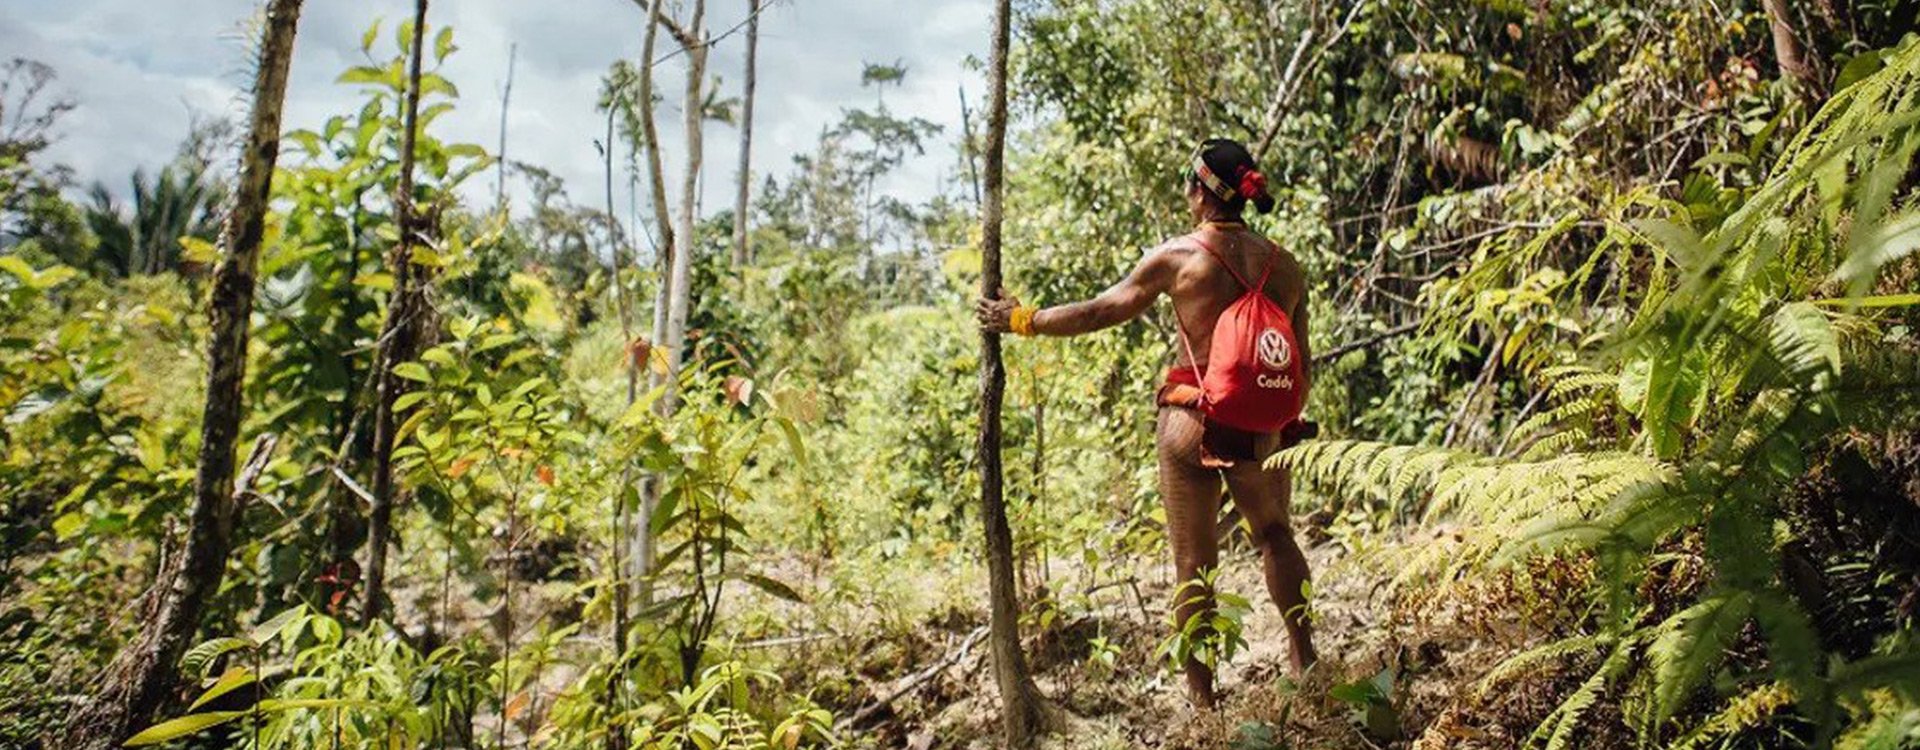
(673, 27)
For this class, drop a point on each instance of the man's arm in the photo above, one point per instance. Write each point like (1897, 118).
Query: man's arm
(1118, 304)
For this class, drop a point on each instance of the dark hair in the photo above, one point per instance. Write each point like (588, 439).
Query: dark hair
(1237, 178)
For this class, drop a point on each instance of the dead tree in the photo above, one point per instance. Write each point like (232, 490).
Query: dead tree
(142, 676)
(1020, 710)
(398, 334)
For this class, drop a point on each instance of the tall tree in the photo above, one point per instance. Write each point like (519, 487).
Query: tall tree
(615, 100)
(643, 552)
(691, 40)
(740, 255)
(398, 333)
(142, 675)
(1020, 711)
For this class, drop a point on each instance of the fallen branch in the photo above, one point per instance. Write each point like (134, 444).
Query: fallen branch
(912, 682)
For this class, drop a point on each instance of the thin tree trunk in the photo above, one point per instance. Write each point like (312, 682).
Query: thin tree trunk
(396, 335)
(967, 146)
(142, 676)
(1788, 51)
(1020, 710)
(740, 255)
(643, 552)
(616, 736)
(695, 118)
(500, 167)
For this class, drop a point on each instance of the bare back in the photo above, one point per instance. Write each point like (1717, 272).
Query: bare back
(1203, 288)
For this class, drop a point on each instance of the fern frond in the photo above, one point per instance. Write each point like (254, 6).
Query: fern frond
(1803, 340)
(1899, 672)
(1557, 731)
(1539, 656)
(1556, 444)
(1747, 711)
(1691, 644)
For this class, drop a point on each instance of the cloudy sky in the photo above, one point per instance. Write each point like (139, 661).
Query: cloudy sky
(138, 69)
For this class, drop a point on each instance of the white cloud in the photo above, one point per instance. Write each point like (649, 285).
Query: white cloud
(138, 68)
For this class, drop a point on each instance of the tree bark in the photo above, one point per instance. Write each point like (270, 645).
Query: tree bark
(1020, 711)
(642, 537)
(142, 676)
(616, 736)
(397, 334)
(692, 39)
(741, 257)
(1788, 50)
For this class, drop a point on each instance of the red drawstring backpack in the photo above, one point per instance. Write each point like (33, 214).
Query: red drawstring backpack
(1255, 379)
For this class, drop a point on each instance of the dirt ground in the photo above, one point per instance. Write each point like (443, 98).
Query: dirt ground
(1424, 663)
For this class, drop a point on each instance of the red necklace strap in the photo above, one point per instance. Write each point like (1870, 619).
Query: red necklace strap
(1265, 274)
(1273, 259)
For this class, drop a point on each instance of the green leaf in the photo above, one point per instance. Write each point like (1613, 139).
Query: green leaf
(367, 39)
(1692, 644)
(443, 44)
(663, 513)
(196, 250)
(439, 356)
(771, 586)
(409, 399)
(1723, 157)
(429, 114)
(277, 625)
(1899, 670)
(173, 729)
(363, 74)
(1680, 243)
(413, 371)
(1674, 387)
(1861, 66)
(1878, 300)
(795, 445)
(67, 525)
(1804, 341)
(434, 83)
(232, 680)
(199, 658)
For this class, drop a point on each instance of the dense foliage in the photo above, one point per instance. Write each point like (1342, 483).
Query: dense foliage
(1619, 390)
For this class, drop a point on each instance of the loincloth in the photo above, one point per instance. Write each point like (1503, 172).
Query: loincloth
(1222, 446)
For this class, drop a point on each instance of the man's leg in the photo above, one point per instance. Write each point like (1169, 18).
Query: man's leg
(1191, 495)
(1264, 499)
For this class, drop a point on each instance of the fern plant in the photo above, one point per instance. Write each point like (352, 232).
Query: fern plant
(1757, 340)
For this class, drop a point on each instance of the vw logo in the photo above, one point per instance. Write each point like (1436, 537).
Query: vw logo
(1274, 350)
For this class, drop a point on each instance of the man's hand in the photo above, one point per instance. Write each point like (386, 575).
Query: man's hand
(996, 315)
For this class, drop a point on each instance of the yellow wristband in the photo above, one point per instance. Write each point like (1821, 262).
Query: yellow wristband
(1021, 321)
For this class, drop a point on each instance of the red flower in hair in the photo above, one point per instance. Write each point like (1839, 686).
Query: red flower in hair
(1252, 184)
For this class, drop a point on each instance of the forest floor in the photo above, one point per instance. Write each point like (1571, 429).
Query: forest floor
(1398, 670)
(1394, 672)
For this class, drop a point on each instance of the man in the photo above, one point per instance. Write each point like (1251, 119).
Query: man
(1222, 268)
